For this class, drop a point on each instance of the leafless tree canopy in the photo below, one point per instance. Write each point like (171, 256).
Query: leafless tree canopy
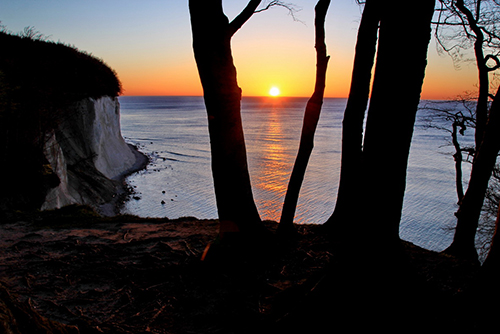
(460, 23)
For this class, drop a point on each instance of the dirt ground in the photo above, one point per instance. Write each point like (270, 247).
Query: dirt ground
(131, 275)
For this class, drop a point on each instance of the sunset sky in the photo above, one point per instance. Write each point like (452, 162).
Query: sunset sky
(148, 43)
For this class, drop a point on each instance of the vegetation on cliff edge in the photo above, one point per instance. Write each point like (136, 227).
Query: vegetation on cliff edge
(39, 81)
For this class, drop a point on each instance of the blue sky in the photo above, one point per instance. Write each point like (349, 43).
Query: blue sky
(148, 43)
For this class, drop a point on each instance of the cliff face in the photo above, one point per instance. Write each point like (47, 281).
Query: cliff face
(60, 140)
(89, 155)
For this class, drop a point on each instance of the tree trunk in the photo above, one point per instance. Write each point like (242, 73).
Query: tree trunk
(391, 116)
(212, 49)
(492, 262)
(458, 163)
(311, 117)
(468, 214)
(352, 125)
(482, 69)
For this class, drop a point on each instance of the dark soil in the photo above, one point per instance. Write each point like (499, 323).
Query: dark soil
(131, 275)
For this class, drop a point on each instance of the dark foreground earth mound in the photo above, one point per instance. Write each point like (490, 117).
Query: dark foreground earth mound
(88, 274)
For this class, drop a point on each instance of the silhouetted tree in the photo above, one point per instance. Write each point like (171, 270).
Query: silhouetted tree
(310, 122)
(456, 118)
(391, 115)
(465, 23)
(460, 119)
(470, 209)
(489, 213)
(492, 262)
(212, 33)
(472, 23)
(380, 164)
(354, 115)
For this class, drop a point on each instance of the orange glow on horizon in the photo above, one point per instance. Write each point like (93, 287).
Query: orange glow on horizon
(442, 82)
(439, 84)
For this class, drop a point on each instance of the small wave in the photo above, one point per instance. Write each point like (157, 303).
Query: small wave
(181, 154)
(143, 139)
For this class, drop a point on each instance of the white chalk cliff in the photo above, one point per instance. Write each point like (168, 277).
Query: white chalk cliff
(89, 155)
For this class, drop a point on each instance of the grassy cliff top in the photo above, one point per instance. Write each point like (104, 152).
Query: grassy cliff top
(43, 67)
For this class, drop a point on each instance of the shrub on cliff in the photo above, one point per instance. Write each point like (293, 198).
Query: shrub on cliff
(39, 66)
(39, 80)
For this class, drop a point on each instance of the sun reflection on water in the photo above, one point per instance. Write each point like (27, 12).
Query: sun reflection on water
(273, 161)
(173, 131)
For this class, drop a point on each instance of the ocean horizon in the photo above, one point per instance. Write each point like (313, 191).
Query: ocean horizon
(173, 132)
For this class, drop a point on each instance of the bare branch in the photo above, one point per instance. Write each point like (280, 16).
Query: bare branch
(470, 18)
(492, 39)
(463, 22)
(251, 9)
(310, 122)
(292, 9)
(243, 17)
(495, 59)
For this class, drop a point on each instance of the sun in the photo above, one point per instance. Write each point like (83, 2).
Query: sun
(274, 91)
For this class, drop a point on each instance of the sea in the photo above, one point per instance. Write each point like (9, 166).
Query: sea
(173, 132)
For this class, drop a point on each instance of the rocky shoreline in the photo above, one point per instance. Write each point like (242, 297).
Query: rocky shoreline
(114, 206)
